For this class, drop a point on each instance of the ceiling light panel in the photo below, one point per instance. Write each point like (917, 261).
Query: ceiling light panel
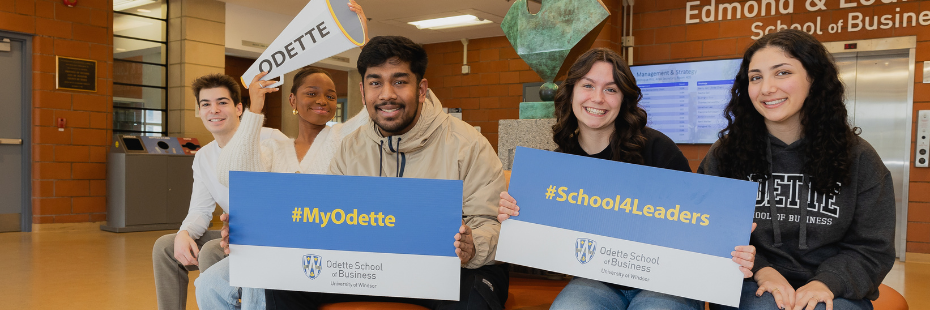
(449, 22)
(119, 5)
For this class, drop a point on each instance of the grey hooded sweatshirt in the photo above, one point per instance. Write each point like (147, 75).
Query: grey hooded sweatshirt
(845, 241)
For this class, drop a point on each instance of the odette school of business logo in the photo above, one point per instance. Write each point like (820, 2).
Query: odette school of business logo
(585, 249)
(313, 265)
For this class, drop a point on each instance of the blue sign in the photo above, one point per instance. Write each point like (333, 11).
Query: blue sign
(344, 213)
(667, 208)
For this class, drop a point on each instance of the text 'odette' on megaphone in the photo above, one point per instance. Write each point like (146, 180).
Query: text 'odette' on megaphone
(319, 31)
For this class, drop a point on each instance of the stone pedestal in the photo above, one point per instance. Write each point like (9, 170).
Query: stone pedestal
(532, 133)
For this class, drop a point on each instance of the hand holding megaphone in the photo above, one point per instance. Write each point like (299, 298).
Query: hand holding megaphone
(320, 30)
(257, 92)
(355, 7)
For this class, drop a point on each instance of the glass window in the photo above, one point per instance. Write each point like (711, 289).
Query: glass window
(137, 120)
(140, 71)
(139, 97)
(340, 110)
(139, 27)
(340, 116)
(129, 49)
(136, 73)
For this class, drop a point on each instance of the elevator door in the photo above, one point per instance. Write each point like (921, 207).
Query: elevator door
(878, 99)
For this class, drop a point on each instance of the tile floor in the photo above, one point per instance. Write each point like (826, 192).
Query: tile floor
(81, 267)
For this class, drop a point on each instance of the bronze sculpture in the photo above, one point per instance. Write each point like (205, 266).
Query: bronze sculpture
(561, 30)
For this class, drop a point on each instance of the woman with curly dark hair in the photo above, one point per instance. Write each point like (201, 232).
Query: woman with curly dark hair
(598, 115)
(825, 208)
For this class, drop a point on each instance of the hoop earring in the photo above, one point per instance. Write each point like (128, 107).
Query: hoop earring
(294, 112)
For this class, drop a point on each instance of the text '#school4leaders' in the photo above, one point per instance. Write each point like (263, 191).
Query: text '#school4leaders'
(630, 205)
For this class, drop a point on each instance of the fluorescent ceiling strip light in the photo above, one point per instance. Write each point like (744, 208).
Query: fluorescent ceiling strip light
(119, 5)
(449, 22)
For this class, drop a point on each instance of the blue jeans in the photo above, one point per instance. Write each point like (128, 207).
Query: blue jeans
(583, 293)
(214, 291)
(749, 301)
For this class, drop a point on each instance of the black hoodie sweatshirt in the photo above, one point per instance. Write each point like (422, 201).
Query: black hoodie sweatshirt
(846, 240)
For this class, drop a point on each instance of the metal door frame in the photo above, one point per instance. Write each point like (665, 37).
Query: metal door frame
(25, 224)
(908, 43)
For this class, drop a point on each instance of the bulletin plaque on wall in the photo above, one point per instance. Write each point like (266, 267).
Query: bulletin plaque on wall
(75, 74)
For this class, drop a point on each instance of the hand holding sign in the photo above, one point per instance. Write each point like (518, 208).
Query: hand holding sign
(508, 207)
(464, 244)
(745, 256)
(225, 232)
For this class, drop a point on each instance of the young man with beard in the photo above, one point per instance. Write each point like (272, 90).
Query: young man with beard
(193, 246)
(409, 136)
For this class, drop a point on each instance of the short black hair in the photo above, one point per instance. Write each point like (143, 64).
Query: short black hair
(217, 80)
(305, 72)
(380, 49)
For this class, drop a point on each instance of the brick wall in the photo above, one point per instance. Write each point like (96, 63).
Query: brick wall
(69, 167)
(491, 92)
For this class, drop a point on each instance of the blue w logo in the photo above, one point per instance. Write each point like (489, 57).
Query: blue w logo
(584, 250)
(313, 265)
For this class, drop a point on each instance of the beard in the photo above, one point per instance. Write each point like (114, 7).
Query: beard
(396, 124)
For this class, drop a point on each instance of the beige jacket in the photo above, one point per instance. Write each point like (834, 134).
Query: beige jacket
(437, 147)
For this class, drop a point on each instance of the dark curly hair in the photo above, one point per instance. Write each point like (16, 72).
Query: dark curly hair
(627, 141)
(827, 135)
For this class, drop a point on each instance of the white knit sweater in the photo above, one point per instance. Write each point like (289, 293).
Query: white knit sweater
(244, 152)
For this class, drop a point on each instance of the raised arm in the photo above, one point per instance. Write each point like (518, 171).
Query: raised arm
(355, 7)
(244, 151)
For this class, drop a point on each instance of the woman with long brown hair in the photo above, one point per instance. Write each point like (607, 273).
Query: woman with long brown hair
(598, 115)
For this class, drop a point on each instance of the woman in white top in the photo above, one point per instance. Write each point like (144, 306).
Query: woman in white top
(313, 99)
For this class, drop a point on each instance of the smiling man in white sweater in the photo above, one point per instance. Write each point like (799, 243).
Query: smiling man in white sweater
(194, 247)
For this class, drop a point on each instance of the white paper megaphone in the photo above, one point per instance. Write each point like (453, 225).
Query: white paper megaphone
(319, 31)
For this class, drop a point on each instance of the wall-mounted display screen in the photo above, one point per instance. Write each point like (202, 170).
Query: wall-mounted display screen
(685, 101)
